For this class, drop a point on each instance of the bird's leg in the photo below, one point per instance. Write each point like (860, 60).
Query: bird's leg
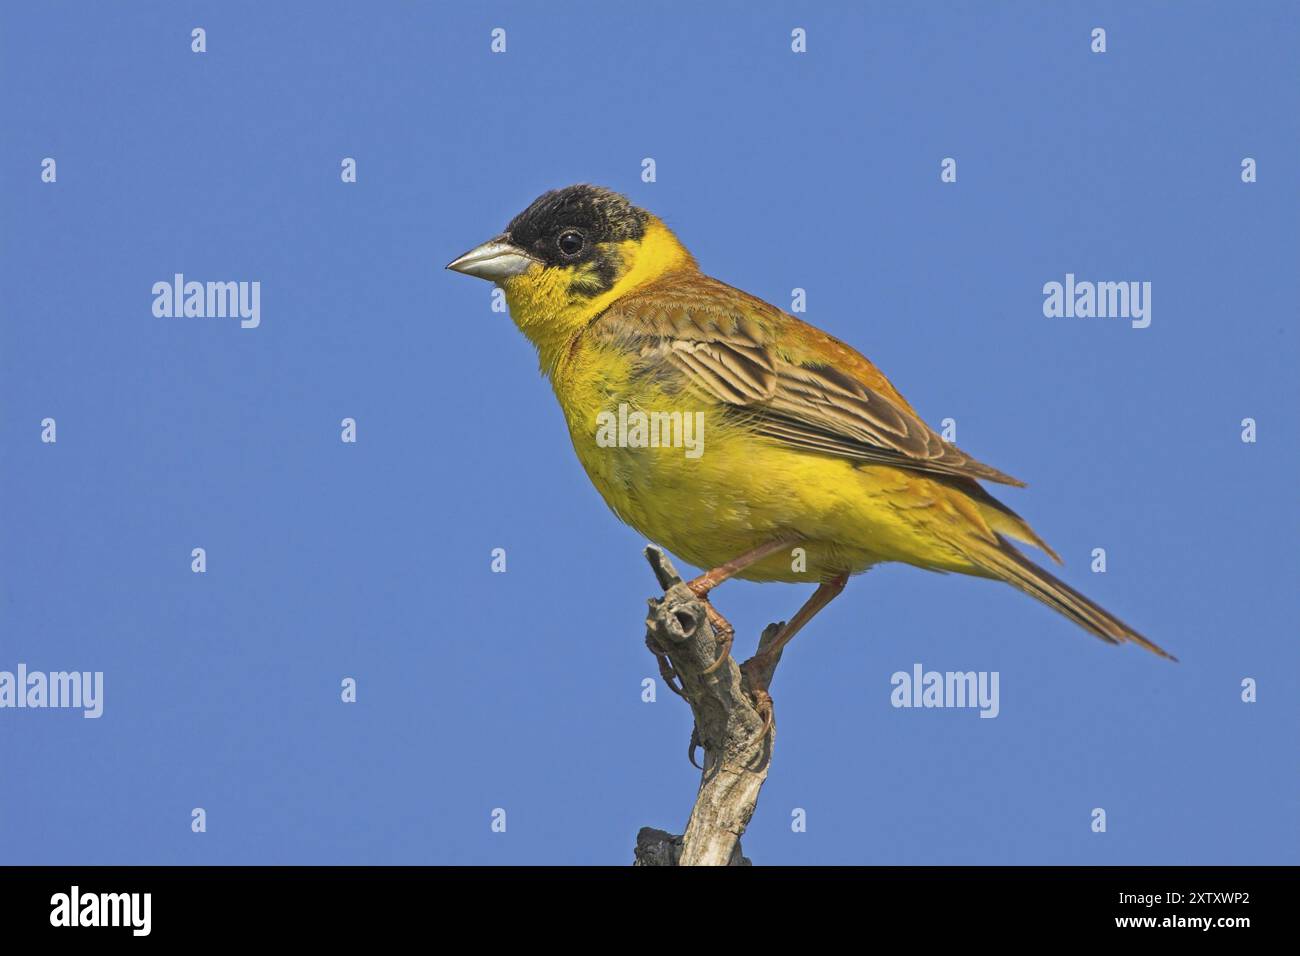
(758, 669)
(826, 592)
(706, 582)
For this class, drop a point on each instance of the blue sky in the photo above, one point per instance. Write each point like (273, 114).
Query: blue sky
(523, 690)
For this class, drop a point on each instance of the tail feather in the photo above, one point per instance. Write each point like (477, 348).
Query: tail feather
(1007, 563)
(1002, 519)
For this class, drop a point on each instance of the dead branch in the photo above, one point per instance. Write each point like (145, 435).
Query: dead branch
(728, 727)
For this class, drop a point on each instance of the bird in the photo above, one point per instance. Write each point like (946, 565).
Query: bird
(810, 466)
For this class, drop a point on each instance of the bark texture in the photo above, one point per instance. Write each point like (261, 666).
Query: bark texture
(728, 727)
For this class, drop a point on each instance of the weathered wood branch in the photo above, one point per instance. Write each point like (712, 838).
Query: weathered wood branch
(728, 726)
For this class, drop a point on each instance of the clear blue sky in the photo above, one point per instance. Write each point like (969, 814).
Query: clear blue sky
(523, 690)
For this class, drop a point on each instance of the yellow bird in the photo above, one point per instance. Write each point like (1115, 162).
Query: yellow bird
(732, 433)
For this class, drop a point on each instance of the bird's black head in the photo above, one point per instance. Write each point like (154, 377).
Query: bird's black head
(578, 226)
(569, 248)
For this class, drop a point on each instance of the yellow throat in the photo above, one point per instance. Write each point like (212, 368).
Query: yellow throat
(551, 306)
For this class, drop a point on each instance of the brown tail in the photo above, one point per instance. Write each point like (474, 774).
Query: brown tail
(1017, 570)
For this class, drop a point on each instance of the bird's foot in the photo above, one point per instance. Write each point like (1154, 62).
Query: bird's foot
(665, 668)
(724, 634)
(693, 746)
(756, 675)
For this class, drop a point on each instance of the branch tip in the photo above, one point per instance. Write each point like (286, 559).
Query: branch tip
(663, 569)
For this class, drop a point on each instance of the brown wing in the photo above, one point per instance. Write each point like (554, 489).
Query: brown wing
(791, 382)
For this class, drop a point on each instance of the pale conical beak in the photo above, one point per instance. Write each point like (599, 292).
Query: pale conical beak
(495, 260)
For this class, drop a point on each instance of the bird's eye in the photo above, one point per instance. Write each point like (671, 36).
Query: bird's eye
(571, 242)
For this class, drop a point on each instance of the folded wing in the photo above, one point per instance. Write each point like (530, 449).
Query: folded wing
(810, 391)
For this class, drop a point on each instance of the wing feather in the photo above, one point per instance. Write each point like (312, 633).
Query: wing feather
(789, 381)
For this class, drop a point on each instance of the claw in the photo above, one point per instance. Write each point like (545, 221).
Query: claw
(694, 746)
(763, 704)
(753, 671)
(666, 669)
(725, 634)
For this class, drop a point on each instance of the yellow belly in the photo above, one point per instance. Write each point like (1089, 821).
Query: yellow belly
(734, 491)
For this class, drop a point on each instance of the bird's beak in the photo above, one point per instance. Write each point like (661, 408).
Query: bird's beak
(495, 260)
